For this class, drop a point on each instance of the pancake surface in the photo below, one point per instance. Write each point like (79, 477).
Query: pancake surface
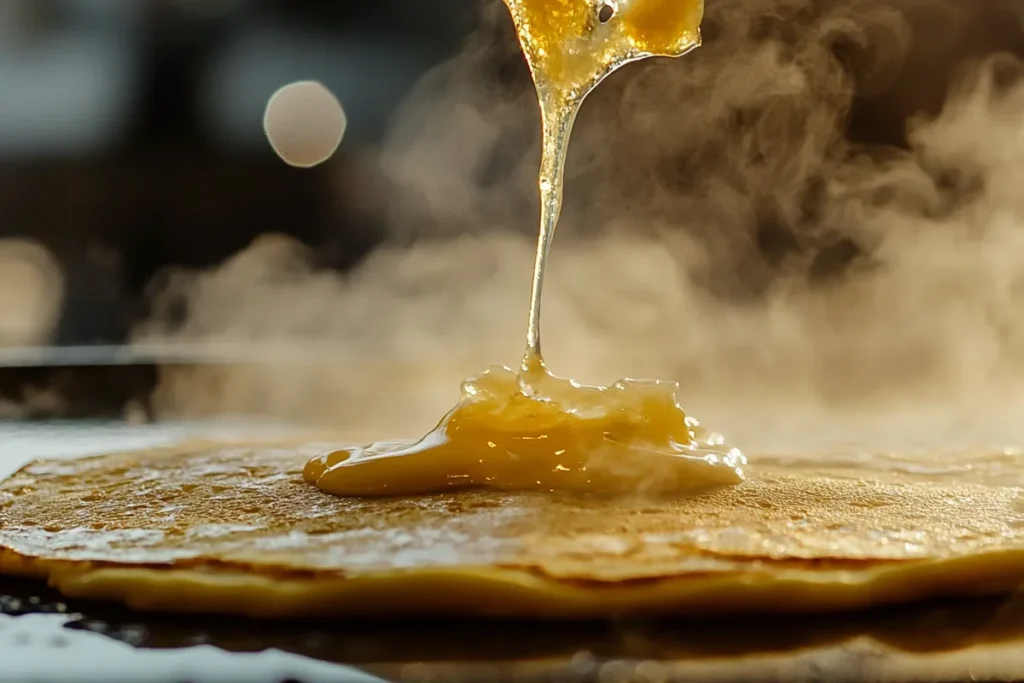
(233, 528)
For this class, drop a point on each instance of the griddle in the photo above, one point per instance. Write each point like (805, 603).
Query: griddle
(44, 637)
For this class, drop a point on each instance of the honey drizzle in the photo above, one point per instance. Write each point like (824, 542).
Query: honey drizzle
(570, 47)
(532, 430)
(557, 128)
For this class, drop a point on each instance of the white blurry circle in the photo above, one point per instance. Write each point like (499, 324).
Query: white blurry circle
(304, 123)
(31, 293)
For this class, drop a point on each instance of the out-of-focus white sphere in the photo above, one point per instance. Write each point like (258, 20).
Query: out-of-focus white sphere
(304, 123)
(31, 293)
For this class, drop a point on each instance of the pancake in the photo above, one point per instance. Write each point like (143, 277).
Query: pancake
(233, 529)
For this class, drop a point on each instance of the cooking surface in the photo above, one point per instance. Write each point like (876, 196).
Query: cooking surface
(980, 640)
(950, 642)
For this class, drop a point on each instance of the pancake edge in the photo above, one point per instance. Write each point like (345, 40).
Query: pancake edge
(511, 592)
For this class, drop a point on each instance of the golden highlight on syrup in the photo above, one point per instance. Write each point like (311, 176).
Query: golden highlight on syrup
(631, 437)
(529, 430)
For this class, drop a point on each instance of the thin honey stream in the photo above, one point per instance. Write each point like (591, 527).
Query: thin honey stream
(530, 430)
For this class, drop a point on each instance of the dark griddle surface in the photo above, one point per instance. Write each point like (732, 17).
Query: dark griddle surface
(833, 648)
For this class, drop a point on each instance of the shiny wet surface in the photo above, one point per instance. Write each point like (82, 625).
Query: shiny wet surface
(953, 641)
(534, 431)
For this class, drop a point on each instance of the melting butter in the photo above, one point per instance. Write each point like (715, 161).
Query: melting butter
(530, 430)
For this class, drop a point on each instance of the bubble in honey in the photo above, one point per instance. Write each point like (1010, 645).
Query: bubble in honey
(572, 44)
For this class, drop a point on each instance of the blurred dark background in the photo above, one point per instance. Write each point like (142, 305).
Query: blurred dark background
(131, 136)
(131, 132)
(131, 139)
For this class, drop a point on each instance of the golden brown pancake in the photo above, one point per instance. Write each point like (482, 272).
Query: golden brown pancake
(234, 529)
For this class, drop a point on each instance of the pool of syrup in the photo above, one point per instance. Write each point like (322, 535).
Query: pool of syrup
(545, 434)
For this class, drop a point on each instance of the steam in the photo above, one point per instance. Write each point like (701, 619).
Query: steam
(663, 265)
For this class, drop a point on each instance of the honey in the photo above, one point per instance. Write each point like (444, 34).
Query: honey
(527, 429)
(631, 437)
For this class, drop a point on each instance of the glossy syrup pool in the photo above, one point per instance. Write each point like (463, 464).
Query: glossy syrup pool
(517, 431)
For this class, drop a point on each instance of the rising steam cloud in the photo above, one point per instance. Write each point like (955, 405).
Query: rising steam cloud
(661, 267)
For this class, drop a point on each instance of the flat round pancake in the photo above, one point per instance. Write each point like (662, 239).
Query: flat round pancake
(234, 529)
